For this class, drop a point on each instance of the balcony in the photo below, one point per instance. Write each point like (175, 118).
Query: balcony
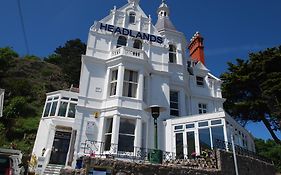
(129, 52)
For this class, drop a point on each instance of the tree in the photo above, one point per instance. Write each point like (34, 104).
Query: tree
(270, 150)
(68, 57)
(252, 89)
(7, 55)
(26, 82)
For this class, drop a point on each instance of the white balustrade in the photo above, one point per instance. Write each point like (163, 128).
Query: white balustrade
(127, 51)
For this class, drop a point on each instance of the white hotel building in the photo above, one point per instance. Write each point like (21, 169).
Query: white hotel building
(131, 64)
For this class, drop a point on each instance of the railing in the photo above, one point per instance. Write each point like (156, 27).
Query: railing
(220, 144)
(132, 52)
(137, 154)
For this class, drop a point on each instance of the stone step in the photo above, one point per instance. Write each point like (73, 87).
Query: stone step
(53, 169)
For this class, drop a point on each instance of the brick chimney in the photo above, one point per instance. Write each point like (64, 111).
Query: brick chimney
(196, 48)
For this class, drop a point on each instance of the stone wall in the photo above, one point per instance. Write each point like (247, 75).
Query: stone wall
(225, 166)
(246, 165)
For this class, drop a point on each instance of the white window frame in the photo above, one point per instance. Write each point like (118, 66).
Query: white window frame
(127, 134)
(108, 133)
(113, 82)
(131, 84)
(57, 98)
(120, 44)
(132, 18)
(139, 42)
(69, 101)
(200, 81)
(172, 53)
(202, 108)
(175, 102)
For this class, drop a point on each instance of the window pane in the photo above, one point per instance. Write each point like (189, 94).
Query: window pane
(137, 44)
(204, 139)
(74, 99)
(62, 110)
(114, 75)
(174, 105)
(215, 122)
(174, 96)
(107, 142)
(174, 112)
(200, 81)
(54, 107)
(203, 124)
(172, 48)
(134, 90)
(71, 111)
(113, 88)
(57, 97)
(218, 134)
(134, 76)
(122, 41)
(172, 57)
(126, 143)
(132, 18)
(108, 125)
(189, 126)
(125, 89)
(178, 127)
(126, 135)
(179, 146)
(127, 126)
(190, 143)
(130, 83)
(172, 54)
(47, 109)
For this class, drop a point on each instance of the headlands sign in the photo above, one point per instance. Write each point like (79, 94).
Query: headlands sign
(131, 33)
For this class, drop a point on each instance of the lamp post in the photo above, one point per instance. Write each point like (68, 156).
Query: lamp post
(233, 150)
(156, 155)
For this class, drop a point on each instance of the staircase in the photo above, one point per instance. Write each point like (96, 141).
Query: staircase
(53, 169)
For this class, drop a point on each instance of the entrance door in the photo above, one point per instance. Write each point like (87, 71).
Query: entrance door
(60, 147)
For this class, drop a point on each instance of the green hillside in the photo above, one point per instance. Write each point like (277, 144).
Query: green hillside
(26, 82)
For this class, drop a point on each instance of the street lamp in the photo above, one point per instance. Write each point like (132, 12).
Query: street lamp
(156, 155)
(155, 113)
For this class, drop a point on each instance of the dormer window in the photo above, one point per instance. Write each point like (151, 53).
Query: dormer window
(137, 44)
(172, 54)
(122, 41)
(132, 18)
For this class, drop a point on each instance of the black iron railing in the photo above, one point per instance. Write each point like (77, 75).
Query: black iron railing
(220, 144)
(105, 150)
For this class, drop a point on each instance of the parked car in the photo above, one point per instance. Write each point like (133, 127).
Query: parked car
(10, 162)
(5, 165)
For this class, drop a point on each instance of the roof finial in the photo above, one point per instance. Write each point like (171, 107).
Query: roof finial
(164, 1)
(134, 1)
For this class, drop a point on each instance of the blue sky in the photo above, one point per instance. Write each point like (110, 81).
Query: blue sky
(231, 29)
